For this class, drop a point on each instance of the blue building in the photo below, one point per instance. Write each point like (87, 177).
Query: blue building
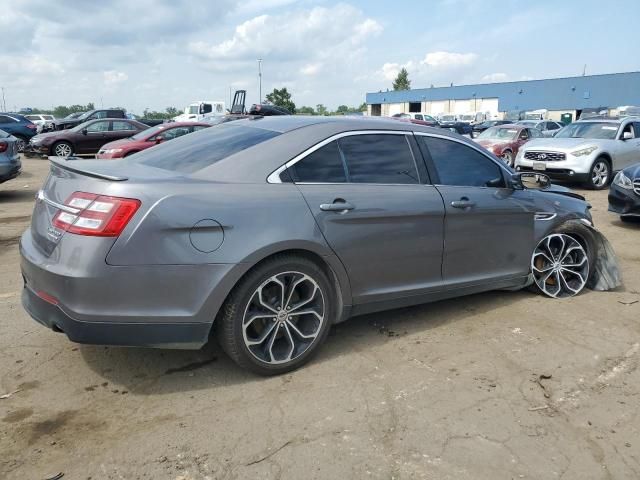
(558, 96)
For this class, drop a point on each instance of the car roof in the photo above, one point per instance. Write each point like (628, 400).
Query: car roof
(287, 123)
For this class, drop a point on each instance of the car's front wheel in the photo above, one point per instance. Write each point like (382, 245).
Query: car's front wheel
(62, 149)
(560, 265)
(507, 156)
(599, 175)
(278, 315)
(21, 144)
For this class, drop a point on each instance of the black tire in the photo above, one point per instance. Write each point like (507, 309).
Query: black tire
(61, 144)
(597, 165)
(230, 319)
(630, 220)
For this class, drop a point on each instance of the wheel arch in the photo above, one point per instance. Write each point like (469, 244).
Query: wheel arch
(322, 257)
(52, 147)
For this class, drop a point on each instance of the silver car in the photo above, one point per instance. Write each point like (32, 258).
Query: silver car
(548, 128)
(586, 151)
(274, 229)
(10, 164)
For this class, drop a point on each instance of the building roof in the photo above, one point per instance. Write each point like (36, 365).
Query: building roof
(569, 93)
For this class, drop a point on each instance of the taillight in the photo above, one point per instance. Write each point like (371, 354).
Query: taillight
(98, 215)
(32, 126)
(3, 146)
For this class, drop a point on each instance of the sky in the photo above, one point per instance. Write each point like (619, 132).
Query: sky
(159, 53)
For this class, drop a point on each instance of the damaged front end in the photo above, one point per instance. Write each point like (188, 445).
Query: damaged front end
(605, 274)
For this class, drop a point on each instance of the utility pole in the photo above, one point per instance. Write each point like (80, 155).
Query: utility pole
(259, 80)
(584, 70)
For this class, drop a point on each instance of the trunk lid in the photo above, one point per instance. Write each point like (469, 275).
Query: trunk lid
(69, 176)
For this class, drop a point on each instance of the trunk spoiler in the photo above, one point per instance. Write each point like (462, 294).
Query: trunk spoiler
(70, 165)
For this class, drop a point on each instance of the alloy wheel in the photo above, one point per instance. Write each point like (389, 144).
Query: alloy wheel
(283, 317)
(600, 174)
(62, 150)
(560, 266)
(20, 145)
(508, 158)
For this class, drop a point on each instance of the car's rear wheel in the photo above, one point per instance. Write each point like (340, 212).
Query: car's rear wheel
(278, 315)
(599, 174)
(62, 149)
(507, 156)
(21, 143)
(560, 265)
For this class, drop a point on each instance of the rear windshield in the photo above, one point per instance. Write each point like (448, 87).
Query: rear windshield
(199, 150)
(3, 134)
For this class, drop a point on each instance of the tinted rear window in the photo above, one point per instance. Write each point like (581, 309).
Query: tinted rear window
(199, 150)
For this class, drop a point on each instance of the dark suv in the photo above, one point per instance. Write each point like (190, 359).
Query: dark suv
(20, 127)
(67, 123)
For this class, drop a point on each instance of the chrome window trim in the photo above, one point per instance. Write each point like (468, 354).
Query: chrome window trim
(274, 177)
(501, 167)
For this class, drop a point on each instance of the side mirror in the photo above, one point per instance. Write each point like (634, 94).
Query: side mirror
(531, 181)
(627, 136)
(159, 139)
(84, 131)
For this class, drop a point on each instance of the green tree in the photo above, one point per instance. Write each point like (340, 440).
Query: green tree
(343, 109)
(363, 107)
(402, 81)
(282, 98)
(172, 112)
(321, 109)
(306, 111)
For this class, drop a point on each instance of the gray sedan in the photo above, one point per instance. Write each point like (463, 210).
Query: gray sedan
(274, 229)
(10, 164)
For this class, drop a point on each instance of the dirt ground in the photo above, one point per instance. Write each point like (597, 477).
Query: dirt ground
(492, 386)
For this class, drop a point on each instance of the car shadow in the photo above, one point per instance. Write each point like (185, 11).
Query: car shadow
(631, 223)
(155, 372)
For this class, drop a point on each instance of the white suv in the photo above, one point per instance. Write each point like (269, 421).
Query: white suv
(586, 151)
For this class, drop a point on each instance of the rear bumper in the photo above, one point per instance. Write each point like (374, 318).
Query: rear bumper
(167, 306)
(9, 172)
(623, 201)
(164, 335)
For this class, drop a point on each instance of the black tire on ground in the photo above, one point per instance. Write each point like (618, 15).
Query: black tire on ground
(508, 158)
(230, 319)
(630, 219)
(599, 169)
(60, 145)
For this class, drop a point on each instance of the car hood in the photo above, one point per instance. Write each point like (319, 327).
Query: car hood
(633, 171)
(560, 144)
(486, 143)
(41, 137)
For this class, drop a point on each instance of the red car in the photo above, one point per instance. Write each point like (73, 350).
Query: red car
(148, 138)
(505, 140)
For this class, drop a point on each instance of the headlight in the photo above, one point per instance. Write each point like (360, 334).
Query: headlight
(113, 150)
(584, 151)
(623, 181)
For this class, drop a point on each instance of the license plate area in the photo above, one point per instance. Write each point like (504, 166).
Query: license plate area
(539, 166)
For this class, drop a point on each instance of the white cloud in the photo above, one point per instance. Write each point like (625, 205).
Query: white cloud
(311, 69)
(448, 59)
(495, 77)
(295, 35)
(113, 78)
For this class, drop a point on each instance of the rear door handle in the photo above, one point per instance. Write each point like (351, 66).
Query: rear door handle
(464, 202)
(336, 206)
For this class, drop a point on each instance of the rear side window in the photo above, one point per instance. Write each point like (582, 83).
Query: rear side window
(376, 158)
(120, 126)
(191, 153)
(321, 166)
(460, 165)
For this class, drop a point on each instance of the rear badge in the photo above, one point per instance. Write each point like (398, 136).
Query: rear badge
(53, 233)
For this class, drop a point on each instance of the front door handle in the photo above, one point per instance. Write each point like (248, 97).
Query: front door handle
(336, 206)
(463, 203)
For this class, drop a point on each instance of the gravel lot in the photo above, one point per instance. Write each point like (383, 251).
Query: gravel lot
(492, 386)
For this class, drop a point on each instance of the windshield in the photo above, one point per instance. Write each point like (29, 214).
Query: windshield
(194, 109)
(199, 150)
(448, 118)
(80, 127)
(467, 118)
(603, 130)
(499, 133)
(528, 123)
(148, 132)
